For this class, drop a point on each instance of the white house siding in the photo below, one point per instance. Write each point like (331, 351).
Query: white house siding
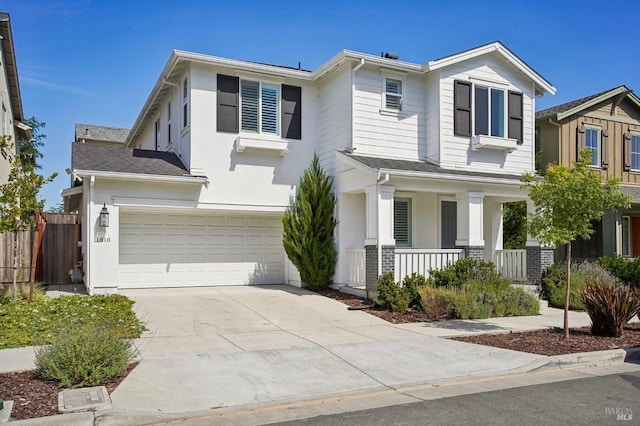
(400, 135)
(5, 165)
(254, 179)
(432, 102)
(334, 117)
(456, 151)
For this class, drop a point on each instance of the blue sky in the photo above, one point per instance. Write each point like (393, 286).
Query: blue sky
(95, 62)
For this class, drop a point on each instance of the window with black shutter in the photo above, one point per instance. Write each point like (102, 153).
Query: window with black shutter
(462, 108)
(227, 106)
(291, 112)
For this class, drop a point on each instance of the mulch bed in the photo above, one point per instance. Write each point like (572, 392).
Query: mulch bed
(34, 396)
(552, 342)
(543, 342)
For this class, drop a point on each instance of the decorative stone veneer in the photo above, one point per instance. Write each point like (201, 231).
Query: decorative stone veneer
(371, 263)
(474, 252)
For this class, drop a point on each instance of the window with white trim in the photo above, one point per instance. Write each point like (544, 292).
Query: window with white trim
(169, 123)
(393, 94)
(626, 236)
(185, 103)
(635, 151)
(402, 221)
(157, 135)
(489, 111)
(592, 143)
(259, 107)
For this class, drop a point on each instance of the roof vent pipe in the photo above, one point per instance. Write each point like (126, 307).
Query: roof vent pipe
(390, 55)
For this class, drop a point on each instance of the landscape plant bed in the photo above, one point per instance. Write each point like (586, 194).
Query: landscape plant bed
(34, 396)
(551, 342)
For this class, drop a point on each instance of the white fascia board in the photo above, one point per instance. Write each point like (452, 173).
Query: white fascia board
(595, 101)
(543, 84)
(344, 158)
(349, 55)
(67, 192)
(142, 177)
(451, 177)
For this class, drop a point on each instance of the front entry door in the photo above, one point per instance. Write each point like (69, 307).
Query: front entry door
(635, 236)
(449, 224)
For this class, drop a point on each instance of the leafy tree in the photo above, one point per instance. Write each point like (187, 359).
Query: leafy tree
(308, 228)
(515, 225)
(58, 208)
(19, 196)
(567, 200)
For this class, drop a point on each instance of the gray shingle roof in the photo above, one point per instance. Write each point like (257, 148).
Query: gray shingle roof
(101, 133)
(117, 159)
(559, 109)
(632, 191)
(421, 166)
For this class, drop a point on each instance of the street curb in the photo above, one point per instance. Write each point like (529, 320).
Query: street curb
(610, 356)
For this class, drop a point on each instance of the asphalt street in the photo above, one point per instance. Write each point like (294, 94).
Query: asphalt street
(612, 399)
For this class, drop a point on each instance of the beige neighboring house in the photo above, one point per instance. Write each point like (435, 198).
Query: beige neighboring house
(608, 124)
(11, 116)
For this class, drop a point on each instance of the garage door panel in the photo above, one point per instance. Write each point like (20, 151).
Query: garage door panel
(185, 250)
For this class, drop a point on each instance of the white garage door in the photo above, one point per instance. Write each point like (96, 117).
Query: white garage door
(172, 250)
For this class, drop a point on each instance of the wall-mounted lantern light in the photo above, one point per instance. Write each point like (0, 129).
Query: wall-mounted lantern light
(104, 216)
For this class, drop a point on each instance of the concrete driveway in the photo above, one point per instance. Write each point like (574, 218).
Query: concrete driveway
(227, 346)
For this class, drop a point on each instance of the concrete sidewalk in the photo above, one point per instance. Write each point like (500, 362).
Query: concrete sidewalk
(219, 348)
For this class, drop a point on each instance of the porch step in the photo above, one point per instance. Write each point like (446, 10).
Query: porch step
(359, 291)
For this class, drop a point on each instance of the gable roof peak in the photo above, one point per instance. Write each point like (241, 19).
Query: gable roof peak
(560, 112)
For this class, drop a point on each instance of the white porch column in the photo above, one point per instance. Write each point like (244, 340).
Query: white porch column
(379, 241)
(492, 229)
(470, 223)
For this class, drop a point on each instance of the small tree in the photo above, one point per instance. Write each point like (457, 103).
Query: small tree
(515, 224)
(308, 228)
(19, 196)
(567, 200)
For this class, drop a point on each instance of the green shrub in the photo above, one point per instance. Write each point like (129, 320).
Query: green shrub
(438, 303)
(391, 295)
(476, 300)
(626, 270)
(85, 354)
(610, 307)
(555, 279)
(36, 323)
(455, 275)
(412, 285)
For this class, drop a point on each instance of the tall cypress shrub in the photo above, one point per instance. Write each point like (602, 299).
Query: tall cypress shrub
(308, 228)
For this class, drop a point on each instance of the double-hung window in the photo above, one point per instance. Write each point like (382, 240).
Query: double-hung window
(592, 143)
(168, 123)
(393, 94)
(260, 107)
(489, 111)
(402, 222)
(635, 151)
(185, 103)
(157, 135)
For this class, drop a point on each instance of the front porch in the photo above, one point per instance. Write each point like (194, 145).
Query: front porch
(511, 263)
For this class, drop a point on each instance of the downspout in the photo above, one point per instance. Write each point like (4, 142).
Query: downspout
(89, 261)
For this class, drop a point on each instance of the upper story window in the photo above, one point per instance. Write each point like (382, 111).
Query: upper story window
(484, 110)
(157, 135)
(635, 151)
(393, 94)
(258, 107)
(592, 143)
(185, 103)
(169, 123)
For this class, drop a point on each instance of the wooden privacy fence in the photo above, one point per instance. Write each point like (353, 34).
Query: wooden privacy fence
(55, 253)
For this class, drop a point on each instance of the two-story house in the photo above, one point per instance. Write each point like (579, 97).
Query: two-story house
(11, 116)
(608, 124)
(422, 155)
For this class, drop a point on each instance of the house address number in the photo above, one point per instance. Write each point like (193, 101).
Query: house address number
(103, 239)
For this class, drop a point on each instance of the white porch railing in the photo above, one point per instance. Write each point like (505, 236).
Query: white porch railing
(512, 263)
(356, 267)
(420, 261)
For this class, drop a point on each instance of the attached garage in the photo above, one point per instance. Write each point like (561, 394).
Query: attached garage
(158, 249)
